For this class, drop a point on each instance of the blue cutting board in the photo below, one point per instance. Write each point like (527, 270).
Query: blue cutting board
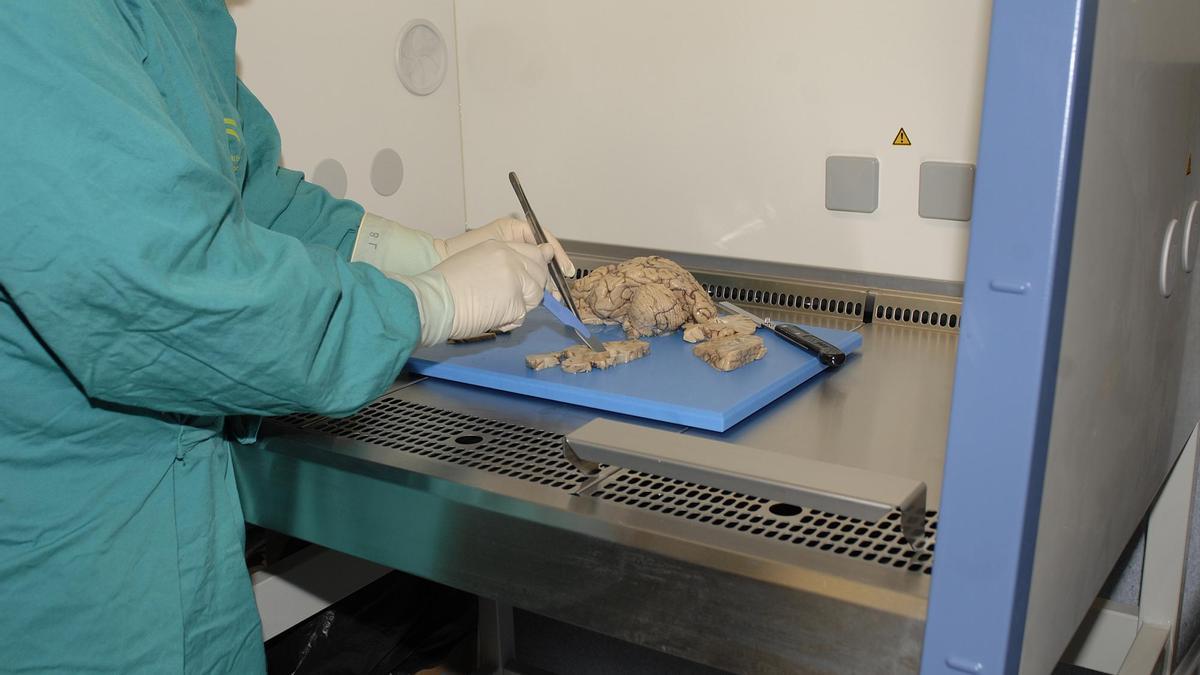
(670, 384)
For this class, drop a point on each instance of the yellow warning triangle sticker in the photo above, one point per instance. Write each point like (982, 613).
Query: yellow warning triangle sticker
(902, 138)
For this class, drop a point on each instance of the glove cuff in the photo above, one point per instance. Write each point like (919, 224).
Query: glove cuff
(435, 304)
(393, 248)
(442, 249)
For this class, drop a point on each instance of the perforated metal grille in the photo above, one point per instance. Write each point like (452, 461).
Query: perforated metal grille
(535, 456)
(916, 316)
(505, 449)
(808, 303)
(298, 419)
(881, 543)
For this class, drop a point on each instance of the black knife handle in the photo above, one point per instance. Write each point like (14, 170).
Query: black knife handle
(826, 353)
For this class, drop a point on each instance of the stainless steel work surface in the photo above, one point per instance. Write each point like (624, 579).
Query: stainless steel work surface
(886, 410)
(469, 487)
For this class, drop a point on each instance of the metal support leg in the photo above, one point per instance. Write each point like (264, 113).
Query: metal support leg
(496, 641)
(1142, 640)
(1148, 654)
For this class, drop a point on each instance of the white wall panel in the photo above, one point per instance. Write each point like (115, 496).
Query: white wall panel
(325, 71)
(704, 126)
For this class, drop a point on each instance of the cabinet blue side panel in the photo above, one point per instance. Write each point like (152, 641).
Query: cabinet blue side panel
(1034, 109)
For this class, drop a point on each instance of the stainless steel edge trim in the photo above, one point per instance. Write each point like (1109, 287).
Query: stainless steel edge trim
(856, 493)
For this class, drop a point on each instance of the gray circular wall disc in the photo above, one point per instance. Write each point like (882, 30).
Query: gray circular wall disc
(387, 172)
(331, 175)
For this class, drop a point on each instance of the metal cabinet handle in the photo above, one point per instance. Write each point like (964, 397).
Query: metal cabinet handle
(855, 493)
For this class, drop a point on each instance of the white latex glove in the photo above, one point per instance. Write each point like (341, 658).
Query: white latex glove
(506, 230)
(489, 286)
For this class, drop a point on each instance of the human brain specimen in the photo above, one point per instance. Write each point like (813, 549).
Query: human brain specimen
(651, 296)
(647, 296)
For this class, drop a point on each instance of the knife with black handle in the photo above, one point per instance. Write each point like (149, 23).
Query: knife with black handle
(826, 353)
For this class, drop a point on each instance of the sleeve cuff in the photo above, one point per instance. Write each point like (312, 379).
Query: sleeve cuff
(393, 248)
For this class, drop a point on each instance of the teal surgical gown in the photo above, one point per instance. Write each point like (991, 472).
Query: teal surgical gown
(160, 278)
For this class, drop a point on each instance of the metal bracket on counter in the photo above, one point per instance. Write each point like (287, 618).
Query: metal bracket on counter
(855, 493)
(583, 467)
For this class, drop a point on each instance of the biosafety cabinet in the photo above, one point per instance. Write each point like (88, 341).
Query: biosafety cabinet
(998, 197)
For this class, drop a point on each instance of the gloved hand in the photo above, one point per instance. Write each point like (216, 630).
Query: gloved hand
(507, 230)
(397, 250)
(489, 286)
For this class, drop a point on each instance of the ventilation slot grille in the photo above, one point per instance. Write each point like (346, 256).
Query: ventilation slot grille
(534, 456)
(298, 419)
(504, 449)
(881, 543)
(805, 303)
(936, 312)
(922, 317)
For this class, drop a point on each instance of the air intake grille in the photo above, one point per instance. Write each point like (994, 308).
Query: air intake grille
(880, 543)
(509, 450)
(800, 302)
(535, 456)
(919, 316)
(881, 304)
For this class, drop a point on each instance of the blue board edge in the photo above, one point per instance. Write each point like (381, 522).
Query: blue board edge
(719, 422)
(851, 344)
(545, 391)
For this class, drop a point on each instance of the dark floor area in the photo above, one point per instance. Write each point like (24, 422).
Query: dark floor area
(566, 650)
(1064, 669)
(397, 625)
